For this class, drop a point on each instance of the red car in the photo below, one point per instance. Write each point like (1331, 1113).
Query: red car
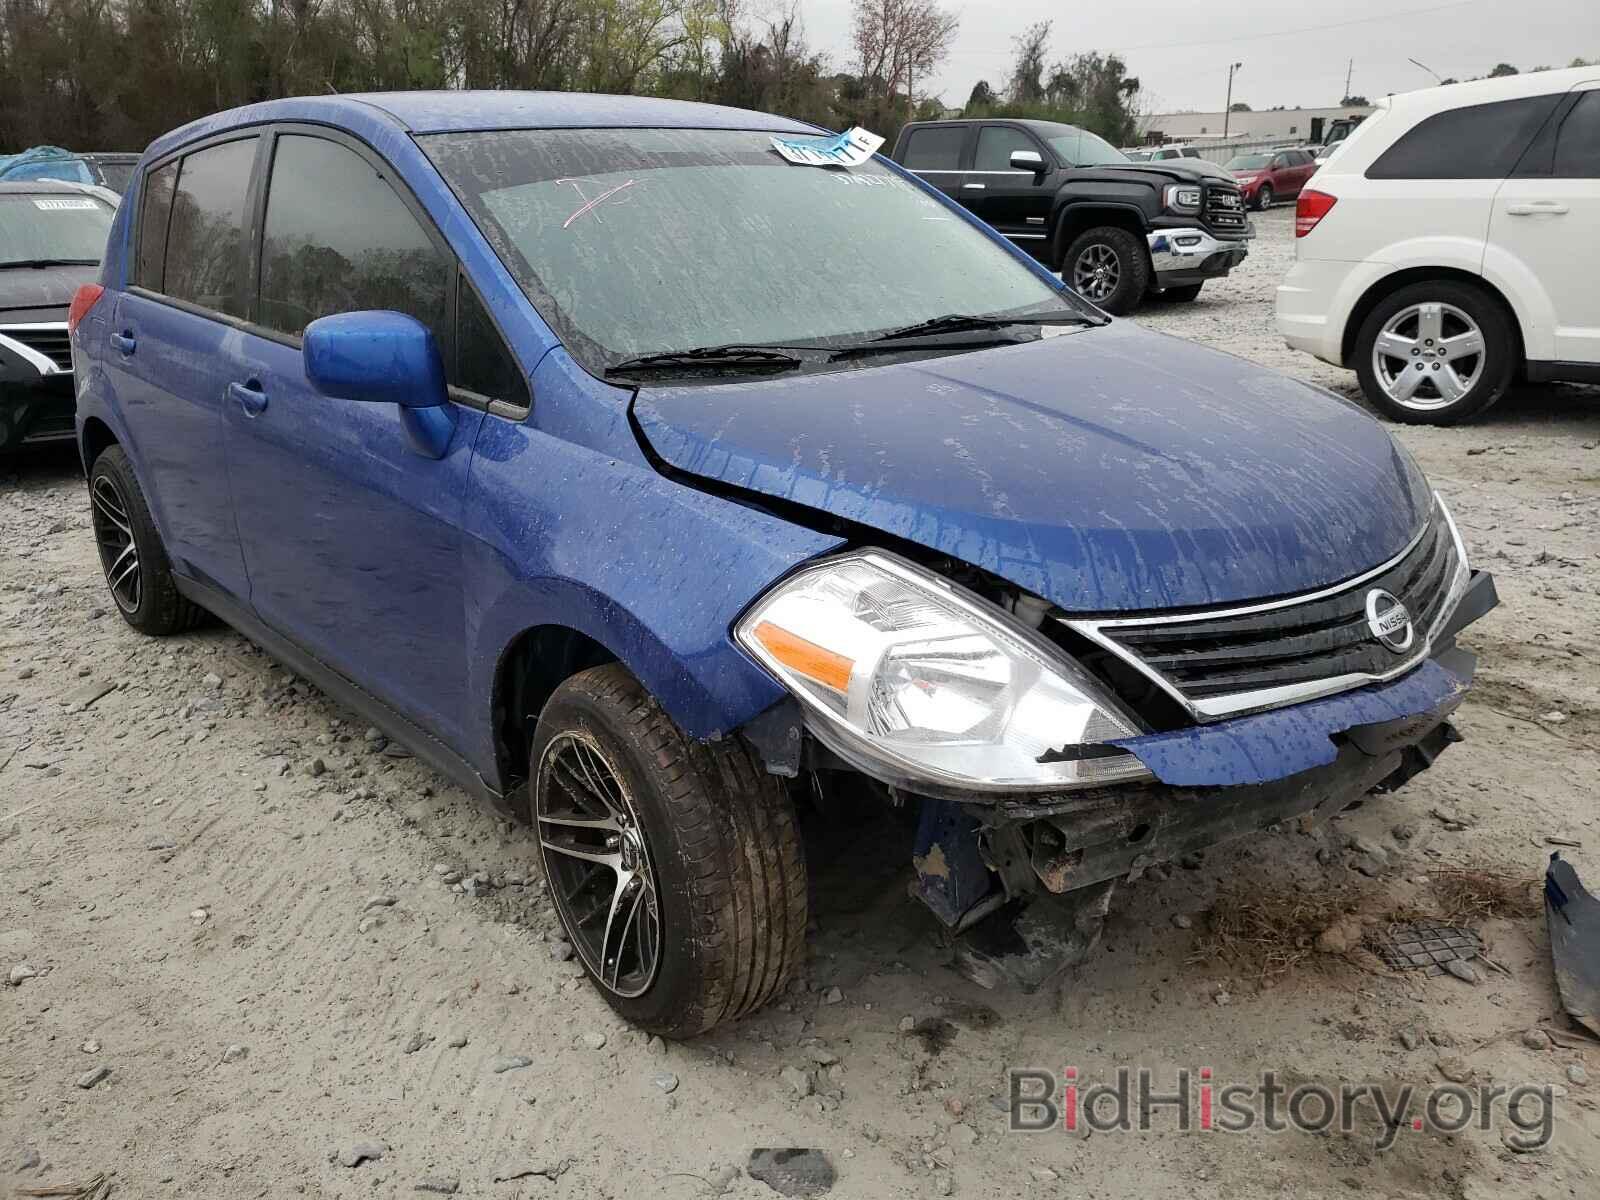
(1278, 175)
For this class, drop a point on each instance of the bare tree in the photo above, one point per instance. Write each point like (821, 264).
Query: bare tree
(898, 40)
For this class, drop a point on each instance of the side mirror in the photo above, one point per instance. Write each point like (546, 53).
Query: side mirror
(384, 358)
(1027, 160)
(375, 357)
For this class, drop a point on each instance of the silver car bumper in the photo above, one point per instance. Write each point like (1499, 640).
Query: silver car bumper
(1185, 249)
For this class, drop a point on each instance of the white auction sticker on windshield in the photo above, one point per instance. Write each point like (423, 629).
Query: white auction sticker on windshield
(64, 203)
(848, 149)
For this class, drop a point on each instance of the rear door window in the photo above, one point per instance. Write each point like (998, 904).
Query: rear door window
(936, 148)
(154, 211)
(205, 236)
(338, 238)
(1481, 141)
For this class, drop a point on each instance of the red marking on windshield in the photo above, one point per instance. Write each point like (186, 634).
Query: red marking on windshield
(589, 205)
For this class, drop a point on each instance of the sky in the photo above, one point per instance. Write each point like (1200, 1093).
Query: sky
(1292, 54)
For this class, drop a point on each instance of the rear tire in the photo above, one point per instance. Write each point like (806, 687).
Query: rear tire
(1108, 266)
(710, 835)
(137, 570)
(1425, 373)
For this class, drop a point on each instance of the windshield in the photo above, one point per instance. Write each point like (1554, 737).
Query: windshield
(1249, 162)
(1080, 148)
(52, 227)
(634, 242)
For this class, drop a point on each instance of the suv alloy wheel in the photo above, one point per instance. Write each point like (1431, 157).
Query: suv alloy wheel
(1435, 353)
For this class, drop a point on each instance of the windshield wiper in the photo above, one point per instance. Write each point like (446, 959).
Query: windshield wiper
(965, 322)
(722, 358)
(50, 262)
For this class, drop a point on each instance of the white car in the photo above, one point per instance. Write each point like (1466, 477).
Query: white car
(1452, 245)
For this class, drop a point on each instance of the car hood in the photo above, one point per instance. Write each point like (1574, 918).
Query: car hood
(1110, 469)
(1174, 170)
(40, 287)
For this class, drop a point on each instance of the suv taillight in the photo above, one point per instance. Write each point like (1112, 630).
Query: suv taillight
(85, 298)
(1311, 208)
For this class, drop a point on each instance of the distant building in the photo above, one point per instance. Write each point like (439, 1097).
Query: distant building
(1281, 124)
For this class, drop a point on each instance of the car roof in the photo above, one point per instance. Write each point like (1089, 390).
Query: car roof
(1427, 101)
(380, 113)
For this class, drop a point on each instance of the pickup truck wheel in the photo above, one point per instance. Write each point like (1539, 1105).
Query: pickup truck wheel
(1436, 353)
(675, 866)
(137, 571)
(1108, 266)
(1264, 197)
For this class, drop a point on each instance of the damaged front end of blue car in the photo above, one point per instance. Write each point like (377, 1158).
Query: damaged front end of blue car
(1087, 638)
(1040, 787)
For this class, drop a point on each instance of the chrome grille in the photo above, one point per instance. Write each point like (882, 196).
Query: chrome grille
(1225, 662)
(1224, 206)
(48, 340)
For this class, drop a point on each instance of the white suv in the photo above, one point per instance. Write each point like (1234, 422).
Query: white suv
(1453, 243)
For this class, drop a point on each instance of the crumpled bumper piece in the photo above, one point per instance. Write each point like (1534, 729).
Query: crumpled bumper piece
(1274, 745)
(1573, 916)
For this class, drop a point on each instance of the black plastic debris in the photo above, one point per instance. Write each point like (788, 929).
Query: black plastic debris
(792, 1171)
(1425, 946)
(1573, 916)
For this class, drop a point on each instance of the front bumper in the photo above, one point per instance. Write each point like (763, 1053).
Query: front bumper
(1211, 783)
(36, 413)
(37, 402)
(1191, 255)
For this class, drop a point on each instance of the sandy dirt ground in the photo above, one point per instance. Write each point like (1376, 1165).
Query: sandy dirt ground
(284, 942)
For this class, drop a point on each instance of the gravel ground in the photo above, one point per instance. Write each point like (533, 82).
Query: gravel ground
(251, 944)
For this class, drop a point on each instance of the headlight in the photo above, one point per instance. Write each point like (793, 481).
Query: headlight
(919, 683)
(1183, 196)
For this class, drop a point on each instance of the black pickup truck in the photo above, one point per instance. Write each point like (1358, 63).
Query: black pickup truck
(1117, 230)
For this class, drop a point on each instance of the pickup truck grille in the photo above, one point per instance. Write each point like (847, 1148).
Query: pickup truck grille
(1227, 662)
(1224, 207)
(50, 340)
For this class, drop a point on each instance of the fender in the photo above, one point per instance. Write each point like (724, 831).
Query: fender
(1521, 290)
(703, 560)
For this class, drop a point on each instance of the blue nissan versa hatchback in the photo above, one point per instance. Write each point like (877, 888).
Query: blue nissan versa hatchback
(643, 480)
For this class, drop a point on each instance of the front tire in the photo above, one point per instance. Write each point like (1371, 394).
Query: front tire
(137, 570)
(675, 866)
(1436, 353)
(1108, 266)
(1264, 198)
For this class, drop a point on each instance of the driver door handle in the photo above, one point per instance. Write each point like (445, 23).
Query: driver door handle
(249, 397)
(973, 187)
(1533, 208)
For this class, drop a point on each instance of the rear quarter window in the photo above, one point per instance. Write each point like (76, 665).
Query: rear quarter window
(1481, 141)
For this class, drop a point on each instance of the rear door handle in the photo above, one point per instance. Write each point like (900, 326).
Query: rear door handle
(1534, 208)
(250, 397)
(973, 187)
(125, 341)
